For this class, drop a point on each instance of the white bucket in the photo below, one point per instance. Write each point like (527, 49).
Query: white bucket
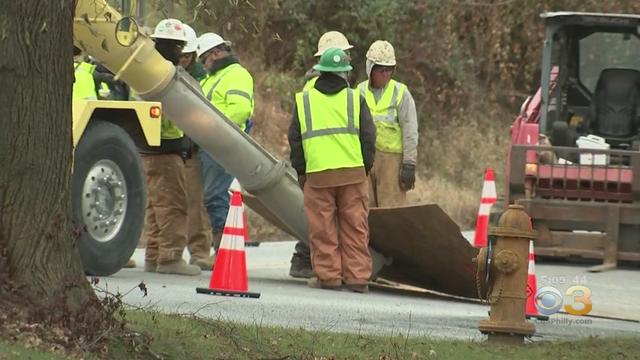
(593, 142)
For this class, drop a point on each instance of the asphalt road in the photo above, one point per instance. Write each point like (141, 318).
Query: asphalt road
(289, 302)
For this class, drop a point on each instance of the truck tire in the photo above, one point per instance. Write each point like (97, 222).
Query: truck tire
(109, 197)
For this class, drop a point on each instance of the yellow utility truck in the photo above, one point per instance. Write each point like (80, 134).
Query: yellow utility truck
(108, 184)
(108, 191)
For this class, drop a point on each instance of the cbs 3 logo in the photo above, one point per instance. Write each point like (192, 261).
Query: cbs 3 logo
(549, 300)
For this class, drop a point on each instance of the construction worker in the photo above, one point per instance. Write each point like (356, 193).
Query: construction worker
(332, 139)
(330, 39)
(394, 113)
(301, 259)
(189, 59)
(166, 219)
(106, 86)
(200, 234)
(229, 87)
(84, 88)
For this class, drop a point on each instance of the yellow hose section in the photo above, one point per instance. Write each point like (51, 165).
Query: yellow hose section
(140, 65)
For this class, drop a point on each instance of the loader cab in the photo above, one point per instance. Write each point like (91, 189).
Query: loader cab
(597, 88)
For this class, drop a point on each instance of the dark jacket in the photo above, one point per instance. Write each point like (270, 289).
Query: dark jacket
(331, 84)
(223, 63)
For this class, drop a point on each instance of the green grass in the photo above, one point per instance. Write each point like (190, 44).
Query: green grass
(14, 351)
(175, 337)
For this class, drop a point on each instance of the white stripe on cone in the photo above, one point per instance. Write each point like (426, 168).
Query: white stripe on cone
(236, 224)
(485, 209)
(232, 242)
(532, 266)
(235, 186)
(489, 190)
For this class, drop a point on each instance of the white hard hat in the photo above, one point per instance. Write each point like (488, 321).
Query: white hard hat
(208, 41)
(192, 40)
(381, 53)
(170, 29)
(332, 39)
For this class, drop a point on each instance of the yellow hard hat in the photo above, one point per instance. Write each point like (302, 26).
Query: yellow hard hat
(381, 53)
(332, 39)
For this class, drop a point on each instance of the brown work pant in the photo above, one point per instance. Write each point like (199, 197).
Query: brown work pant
(165, 225)
(200, 233)
(384, 181)
(339, 232)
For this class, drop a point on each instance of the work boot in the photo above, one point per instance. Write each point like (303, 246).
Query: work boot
(316, 283)
(178, 267)
(300, 267)
(130, 264)
(205, 264)
(217, 239)
(150, 266)
(359, 288)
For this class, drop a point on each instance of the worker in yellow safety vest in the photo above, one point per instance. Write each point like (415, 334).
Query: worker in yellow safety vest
(229, 87)
(84, 88)
(330, 39)
(394, 113)
(332, 140)
(301, 259)
(166, 225)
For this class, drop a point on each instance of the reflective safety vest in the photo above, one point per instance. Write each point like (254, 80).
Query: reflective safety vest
(84, 88)
(310, 83)
(330, 129)
(385, 114)
(169, 131)
(231, 85)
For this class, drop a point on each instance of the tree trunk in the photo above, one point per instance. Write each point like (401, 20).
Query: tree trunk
(41, 278)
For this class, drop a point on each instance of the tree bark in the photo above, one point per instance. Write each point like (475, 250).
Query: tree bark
(41, 277)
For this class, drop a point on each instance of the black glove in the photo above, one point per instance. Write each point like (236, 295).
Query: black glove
(407, 177)
(302, 178)
(99, 77)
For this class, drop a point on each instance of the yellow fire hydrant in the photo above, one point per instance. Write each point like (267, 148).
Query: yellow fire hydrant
(504, 264)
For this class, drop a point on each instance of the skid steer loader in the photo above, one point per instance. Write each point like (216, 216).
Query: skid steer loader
(583, 192)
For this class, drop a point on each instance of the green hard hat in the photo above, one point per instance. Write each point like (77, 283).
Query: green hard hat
(334, 60)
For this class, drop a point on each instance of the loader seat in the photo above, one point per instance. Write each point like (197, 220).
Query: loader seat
(615, 104)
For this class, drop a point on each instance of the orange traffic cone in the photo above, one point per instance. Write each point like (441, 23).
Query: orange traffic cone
(532, 288)
(488, 198)
(229, 276)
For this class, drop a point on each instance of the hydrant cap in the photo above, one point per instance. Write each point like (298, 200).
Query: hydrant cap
(515, 218)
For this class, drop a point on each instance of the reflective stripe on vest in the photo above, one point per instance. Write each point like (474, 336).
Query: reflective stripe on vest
(385, 115)
(330, 128)
(84, 87)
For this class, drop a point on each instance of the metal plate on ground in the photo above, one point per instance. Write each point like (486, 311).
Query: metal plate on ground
(427, 248)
